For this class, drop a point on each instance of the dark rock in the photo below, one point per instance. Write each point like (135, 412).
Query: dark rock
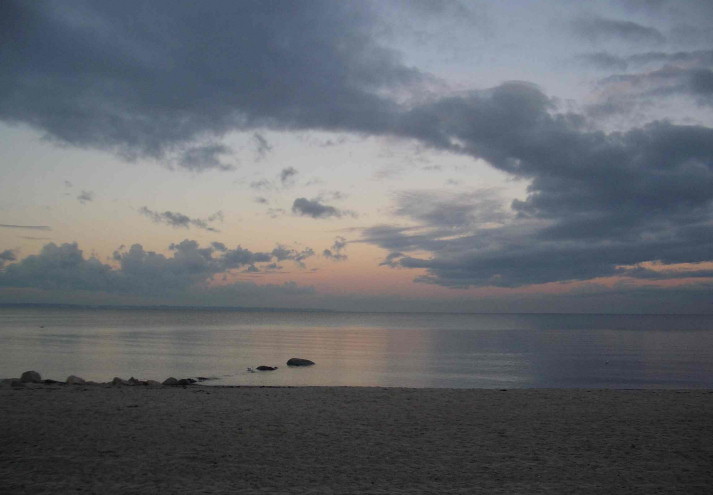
(136, 381)
(47, 381)
(186, 381)
(171, 382)
(17, 384)
(31, 377)
(119, 381)
(266, 368)
(299, 362)
(75, 380)
(202, 378)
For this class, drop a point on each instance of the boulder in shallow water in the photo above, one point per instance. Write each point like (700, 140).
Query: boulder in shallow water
(31, 377)
(266, 368)
(170, 382)
(75, 380)
(299, 362)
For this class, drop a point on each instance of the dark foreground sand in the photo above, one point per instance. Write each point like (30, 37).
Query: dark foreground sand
(104, 439)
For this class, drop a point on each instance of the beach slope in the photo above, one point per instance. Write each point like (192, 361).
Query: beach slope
(107, 439)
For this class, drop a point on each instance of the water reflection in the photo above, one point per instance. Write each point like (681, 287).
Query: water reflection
(471, 351)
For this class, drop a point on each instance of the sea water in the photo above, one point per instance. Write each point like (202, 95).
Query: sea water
(361, 349)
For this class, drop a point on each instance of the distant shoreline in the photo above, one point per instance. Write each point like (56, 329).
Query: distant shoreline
(252, 309)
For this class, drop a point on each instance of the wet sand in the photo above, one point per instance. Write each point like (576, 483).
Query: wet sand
(199, 439)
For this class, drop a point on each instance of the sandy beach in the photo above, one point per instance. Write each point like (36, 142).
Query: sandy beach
(199, 439)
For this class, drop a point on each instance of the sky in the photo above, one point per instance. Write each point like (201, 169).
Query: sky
(422, 155)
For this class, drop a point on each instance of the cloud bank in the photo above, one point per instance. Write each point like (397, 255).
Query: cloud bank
(88, 75)
(140, 272)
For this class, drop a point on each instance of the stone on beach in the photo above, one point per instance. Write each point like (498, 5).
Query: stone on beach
(119, 381)
(31, 377)
(170, 382)
(266, 368)
(75, 380)
(299, 362)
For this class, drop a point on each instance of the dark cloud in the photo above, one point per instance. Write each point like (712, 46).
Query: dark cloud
(690, 58)
(336, 252)
(85, 197)
(7, 255)
(179, 220)
(658, 76)
(316, 209)
(27, 227)
(662, 272)
(596, 201)
(138, 271)
(624, 92)
(599, 28)
(204, 157)
(281, 253)
(287, 175)
(219, 246)
(88, 74)
(453, 212)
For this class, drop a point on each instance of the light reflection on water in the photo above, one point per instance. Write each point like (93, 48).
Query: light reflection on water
(411, 350)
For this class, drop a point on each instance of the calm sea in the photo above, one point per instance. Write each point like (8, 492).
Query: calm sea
(361, 349)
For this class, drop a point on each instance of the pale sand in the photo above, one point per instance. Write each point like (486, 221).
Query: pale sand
(103, 439)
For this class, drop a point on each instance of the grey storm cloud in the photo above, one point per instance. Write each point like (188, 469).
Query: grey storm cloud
(598, 28)
(652, 77)
(696, 82)
(610, 61)
(314, 208)
(595, 202)
(179, 220)
(203, 157)
(452, 211)
(64, 267)
(88, 74)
